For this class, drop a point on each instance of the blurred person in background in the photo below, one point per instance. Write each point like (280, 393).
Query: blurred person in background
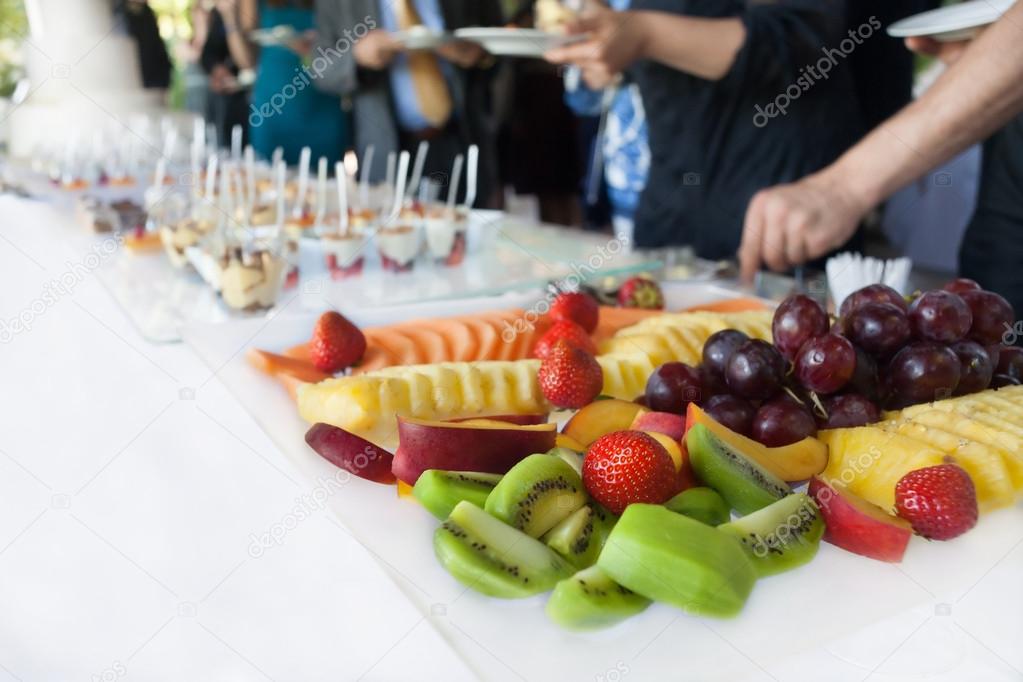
(400, 98)
(979, 97)
(228, 102)
(140, 23)
(737, 96)
(188, 53)
(285, 111)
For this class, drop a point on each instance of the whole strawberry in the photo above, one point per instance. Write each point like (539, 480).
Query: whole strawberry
(336, 343)
(640, 292)
(625, 467)
(577, 307)
(570, 377)
(564, 330)
(939, 501)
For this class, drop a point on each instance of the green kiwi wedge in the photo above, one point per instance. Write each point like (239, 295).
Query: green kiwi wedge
(573, 458)
(781, 536)
(703, 504)
(439, 491)
(536, 494)
(674, 559)
(590, 600)
(745, 485)
(580, 536)
(493, 558)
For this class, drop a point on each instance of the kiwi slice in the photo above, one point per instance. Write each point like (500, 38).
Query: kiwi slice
(781, 536)
(536, 494)
(672, 558)
(439, 491)
(703, 504)
(573, 458)
(493, 558)
(590, 600)
(745, 485)
(581, 535)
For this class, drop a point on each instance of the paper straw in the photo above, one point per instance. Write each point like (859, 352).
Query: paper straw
(456, 176)
(342, 196)
(417, 169)
(470, 176)
(367, 166)
(303, 182)
(236, 143)
(399, 190)
(321, 190)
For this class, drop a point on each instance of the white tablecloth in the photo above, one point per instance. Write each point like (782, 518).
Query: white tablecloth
(134, 493)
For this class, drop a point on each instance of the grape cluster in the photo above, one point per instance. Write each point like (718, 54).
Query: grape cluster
(882, 351)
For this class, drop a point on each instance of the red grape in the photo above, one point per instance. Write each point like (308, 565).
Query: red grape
(826, 364)
(993, 316)
(977, 369)
(731, 411)
(755, 370)
(672, 387)
(1003, 380)
(924, 371)
(940, 316)
(782, 421)
(879, 328)
(797, 320)
(994, 351)
(713, 383)
(865, 379)
(718, 349)
(875, 293)
(962, 285)
(849, 410)
(1010, 362)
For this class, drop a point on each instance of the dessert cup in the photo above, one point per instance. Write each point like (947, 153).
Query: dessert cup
(399, 246)
(345, 253)
(445, 234)
(180, 235)
(252, 280)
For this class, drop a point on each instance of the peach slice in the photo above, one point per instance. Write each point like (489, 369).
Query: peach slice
(680, 456)
(859, 526)
(796, 462)
(565, 441)
(282, 365)
(484, 445)
(520, 419)
(668, 423)
(600, 418)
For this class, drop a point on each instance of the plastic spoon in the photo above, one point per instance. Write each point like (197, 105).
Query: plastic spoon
(403, 162)
(367, 166)
(417, 169)
(303, 182)
(456, 176)
(342, 197)
(321, 190)
(472, 168)
(236, 143)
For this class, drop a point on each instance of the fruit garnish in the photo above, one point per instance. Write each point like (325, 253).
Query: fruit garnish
(536, 494)
(564, 330)
(627, 467)
(781, 536)
(798, 319)
(700, 503)
(336, 343)
(858, 526)
(351, 453)
(576, 307)
(570, 377)
(439, 491)
(491, 448)
(590, 600)
(641, 292)
(672, 387)
(939, 501)
(600, 418)
(493, 558)
(671, 558)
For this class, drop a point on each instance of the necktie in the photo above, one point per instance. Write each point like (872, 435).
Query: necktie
(427, 78)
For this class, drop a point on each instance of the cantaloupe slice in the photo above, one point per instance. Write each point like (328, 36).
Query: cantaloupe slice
(281, 365)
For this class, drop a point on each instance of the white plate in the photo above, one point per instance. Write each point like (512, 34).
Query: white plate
(948, 24)
(516, 42)
(421, 38)
(836, 594)
(276, 35)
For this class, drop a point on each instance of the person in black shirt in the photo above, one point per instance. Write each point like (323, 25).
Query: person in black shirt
(141, 24)
(228, 101)
(738, 95)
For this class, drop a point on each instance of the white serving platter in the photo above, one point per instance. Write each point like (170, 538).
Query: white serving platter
(951, 23)
(837, 594)
(516, 42)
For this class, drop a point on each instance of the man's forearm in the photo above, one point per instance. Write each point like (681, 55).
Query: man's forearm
(975, 97)
(702, 47)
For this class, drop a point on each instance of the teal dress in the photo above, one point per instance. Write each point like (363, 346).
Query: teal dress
(287, 110)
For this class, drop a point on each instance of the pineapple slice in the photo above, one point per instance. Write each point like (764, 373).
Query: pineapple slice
(977, 428)
(625, 375)
(869, 461)
(984, 464)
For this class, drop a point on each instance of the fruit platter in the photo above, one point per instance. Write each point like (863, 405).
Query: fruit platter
(594, 484)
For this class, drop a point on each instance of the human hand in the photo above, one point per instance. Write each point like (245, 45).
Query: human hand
(302, 44)
(615, 41)
(376, 50)
(946, 52)
(462, 53)
(790, 224)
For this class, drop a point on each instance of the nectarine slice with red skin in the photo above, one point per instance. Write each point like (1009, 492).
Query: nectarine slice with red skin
(670, 424)
(520, 419)
(859, 526)
(350, 452)
(487, 446)
(796, 462)
(601, 418)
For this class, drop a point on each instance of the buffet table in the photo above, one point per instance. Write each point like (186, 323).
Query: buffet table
(150, 530)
